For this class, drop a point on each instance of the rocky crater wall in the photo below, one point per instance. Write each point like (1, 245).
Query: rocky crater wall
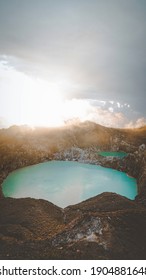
(134, 164)
(107, 226)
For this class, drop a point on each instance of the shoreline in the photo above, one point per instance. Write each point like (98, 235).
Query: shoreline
(31, 173)
(103, 162)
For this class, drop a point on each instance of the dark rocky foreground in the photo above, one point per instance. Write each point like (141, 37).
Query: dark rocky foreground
(107, 226)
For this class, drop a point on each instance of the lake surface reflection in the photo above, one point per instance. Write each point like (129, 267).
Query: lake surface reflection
(65, 183)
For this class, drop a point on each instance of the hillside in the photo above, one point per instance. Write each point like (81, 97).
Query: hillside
(103, 227)
(106, 227)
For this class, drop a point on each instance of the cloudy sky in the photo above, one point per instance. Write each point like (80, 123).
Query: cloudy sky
(73, 59)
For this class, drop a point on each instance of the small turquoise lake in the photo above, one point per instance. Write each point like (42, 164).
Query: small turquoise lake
(113, 154)
(65, 183)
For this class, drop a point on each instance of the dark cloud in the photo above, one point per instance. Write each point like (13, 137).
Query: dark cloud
(99, 45)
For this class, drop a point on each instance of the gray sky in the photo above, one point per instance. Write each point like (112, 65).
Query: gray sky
(94, 49)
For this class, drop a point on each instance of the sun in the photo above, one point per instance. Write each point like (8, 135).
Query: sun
(36, 101)
(41, 104)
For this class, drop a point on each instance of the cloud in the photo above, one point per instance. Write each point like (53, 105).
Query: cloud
(3, 123)
(25, 99)
(118, 116)
(85, 110)
(100, 45)
(138, 123)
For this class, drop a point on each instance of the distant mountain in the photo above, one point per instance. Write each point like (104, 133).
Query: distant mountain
(82, 135)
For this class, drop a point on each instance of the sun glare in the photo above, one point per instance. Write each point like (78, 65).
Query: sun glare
(38, 102)
(41, 104)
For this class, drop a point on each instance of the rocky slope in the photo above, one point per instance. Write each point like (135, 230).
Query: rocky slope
(107, 226)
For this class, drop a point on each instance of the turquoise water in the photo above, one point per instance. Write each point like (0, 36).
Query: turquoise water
(113, 154)
(65, 183)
